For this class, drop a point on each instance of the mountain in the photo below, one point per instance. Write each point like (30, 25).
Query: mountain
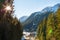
(22, 19)
(51, 9)
(31, 23)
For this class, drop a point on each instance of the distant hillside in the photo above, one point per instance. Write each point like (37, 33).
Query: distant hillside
(31, 23)
(22, 19)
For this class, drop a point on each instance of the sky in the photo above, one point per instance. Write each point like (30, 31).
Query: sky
(27, 7)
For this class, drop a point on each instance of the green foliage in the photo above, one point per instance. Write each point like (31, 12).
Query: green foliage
(50, 31)
(40, 30)
(57, 24)
(49, 28)
(1, 6)
(10, 28)
(58, 18)
(2, 1)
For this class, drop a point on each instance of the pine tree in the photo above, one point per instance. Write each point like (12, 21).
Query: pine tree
(57, 24)
(58, 18)
(46, 27)
(41, 30)
(50, 26)
(10, 28)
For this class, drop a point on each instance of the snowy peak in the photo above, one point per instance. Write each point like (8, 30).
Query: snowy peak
(54, 8)
(58, 5)
(47, 9)
(51, 9)
(22, 19)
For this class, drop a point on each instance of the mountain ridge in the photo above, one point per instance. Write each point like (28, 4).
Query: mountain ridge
(37, 17)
